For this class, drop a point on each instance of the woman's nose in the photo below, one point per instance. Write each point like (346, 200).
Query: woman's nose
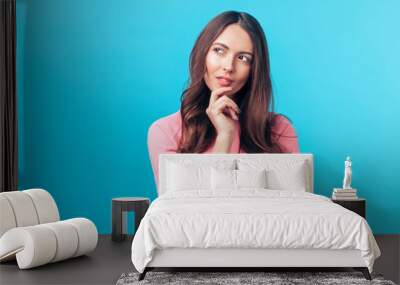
(228, 64)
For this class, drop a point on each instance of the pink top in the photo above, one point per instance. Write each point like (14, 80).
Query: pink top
(165, 133)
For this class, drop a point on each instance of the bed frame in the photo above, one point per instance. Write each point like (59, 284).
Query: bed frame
(242, 259)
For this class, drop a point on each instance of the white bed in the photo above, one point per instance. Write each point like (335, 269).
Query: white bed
(247, 210)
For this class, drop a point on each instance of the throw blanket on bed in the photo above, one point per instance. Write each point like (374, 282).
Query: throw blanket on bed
(251, 218)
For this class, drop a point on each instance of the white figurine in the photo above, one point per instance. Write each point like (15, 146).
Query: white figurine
(347, 174)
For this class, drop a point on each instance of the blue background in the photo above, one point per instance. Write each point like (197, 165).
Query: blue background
(93, 75)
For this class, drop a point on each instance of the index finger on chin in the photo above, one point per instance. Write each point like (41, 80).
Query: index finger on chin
(218, 92)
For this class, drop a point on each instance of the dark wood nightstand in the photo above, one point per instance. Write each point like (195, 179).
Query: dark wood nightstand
(358, 206)
(120, 206)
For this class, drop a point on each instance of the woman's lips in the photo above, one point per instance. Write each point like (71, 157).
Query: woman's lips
(224, 82)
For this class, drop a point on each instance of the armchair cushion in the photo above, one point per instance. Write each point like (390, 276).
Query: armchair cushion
(30, 230)
(40, 244)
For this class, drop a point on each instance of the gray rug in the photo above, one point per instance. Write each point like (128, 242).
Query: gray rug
(270, 278)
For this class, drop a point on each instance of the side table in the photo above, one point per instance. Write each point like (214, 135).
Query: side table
(120, 207)
(357, 206)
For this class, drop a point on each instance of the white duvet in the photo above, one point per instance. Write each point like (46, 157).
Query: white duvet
(251, 218)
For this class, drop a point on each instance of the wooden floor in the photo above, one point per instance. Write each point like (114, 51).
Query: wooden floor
(111, 259)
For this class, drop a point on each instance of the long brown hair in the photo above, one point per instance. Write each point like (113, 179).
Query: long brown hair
(255, 98)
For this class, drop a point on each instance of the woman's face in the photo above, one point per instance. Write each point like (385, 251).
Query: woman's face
(229, 59)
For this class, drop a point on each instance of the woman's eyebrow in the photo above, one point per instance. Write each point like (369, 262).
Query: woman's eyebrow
(225, 46)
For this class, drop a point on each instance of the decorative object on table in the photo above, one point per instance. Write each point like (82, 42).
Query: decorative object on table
(120, 207)
(32, 233)
(244, 278)
(347, 192)
(358, 205)
(347, 173)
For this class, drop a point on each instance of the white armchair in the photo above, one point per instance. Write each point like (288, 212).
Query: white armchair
(32, 233)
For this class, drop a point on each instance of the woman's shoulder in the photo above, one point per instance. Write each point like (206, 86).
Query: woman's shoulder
(169, 125)
(169, 121)
(281, 124)
(284, 134)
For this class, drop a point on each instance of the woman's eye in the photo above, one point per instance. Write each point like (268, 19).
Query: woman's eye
(245, 59)
(218, 50)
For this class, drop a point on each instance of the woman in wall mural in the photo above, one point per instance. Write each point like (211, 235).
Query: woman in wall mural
(227, 107)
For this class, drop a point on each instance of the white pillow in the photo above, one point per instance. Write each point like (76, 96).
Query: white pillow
(223, 179)
(237, 179)
(281, 174)
(251, 178)
(288, 179)
(188, 175)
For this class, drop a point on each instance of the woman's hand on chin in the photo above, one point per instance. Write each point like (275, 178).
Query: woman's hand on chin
(223, 112)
